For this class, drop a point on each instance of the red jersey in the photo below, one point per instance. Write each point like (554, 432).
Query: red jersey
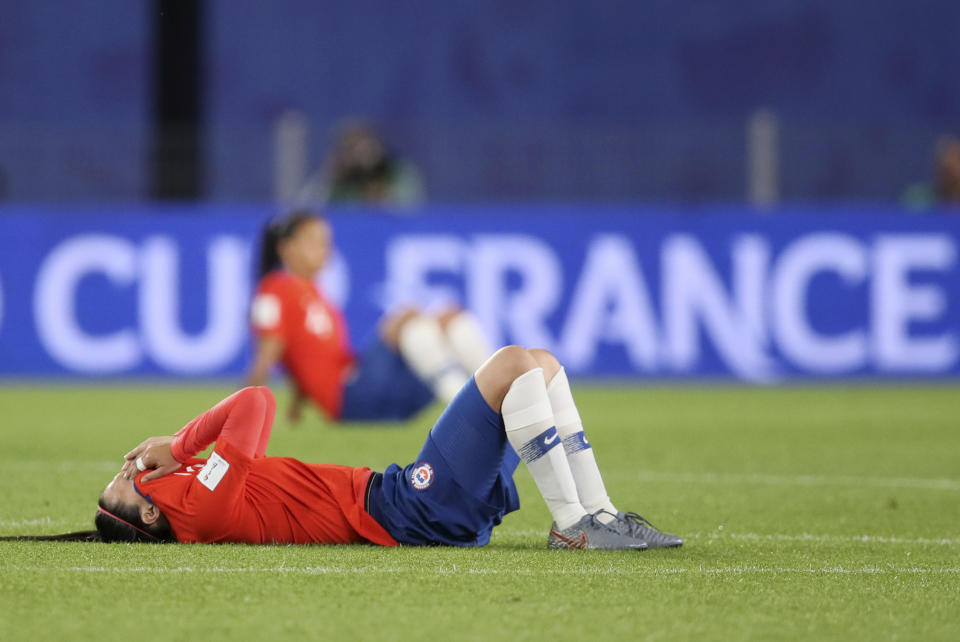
(316, 346)
(239, 495)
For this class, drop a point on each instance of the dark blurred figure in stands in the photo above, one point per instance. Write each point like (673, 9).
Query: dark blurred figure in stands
(361, 169)
(944, 190)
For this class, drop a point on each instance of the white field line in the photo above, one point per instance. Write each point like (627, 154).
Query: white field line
(775, 537)
(690, 537)
(48, 521)
(839, 539)
(30, 523)
(454, 569)
(791, 480)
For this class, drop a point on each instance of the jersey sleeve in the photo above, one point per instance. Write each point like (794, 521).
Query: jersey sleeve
(266, 311)
(216, 493)
(244, 419)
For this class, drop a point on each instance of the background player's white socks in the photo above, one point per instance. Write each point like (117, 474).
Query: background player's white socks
(424, 347)
(469, 343)
(528, 420)
(583, 464)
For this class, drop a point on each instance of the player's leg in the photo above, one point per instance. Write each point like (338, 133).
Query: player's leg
(513, 382)
(467, 339)
(424, 347)
(460, 485)
(583, 464)
(269, 412)
(382, 387)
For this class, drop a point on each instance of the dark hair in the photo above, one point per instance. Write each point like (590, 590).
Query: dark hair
(122, 523)
(111, 529)
(276, 231)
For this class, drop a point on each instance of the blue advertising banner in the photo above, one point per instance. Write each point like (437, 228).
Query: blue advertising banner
(613, 291)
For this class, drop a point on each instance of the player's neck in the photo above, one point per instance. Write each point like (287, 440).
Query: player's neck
(305, 274)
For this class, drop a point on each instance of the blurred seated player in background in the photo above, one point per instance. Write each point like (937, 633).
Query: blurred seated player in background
(361, 169)
(459, 487)
(414, 359)
(944, 190)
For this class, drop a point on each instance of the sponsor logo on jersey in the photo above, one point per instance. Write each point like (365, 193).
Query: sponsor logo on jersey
(214, 470)
(422, 476)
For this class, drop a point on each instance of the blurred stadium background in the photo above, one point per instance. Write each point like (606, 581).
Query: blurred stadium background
(648, 189)
(662, 193)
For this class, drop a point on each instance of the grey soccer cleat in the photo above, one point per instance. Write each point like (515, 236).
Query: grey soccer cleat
(640, 528)
(589, 533)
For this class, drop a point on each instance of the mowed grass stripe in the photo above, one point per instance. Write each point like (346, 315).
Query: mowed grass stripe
(790, 480)
(454, 570)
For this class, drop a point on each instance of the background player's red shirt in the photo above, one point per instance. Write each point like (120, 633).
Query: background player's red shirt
(317, 352)
(238, 495)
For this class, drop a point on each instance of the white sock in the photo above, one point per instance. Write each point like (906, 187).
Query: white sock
(528, 420)
(468, 341)
(583, 464)
(426, 351)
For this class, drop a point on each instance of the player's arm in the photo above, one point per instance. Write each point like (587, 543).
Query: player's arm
(267, 320)
(244, 420)
(268, 353)
(296, 404)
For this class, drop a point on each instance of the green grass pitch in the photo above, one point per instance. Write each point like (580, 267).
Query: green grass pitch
(809, 513)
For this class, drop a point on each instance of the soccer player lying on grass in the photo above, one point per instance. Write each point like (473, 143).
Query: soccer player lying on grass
(459, 488)
(414, 359)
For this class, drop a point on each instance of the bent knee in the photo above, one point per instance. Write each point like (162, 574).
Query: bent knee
(513, 361)
(446, 317)
(544, 357)
(392, 325)
(546, 360)
(496, 375)
(267, 395)
(255, 394)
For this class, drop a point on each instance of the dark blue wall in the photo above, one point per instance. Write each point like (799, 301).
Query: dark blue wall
(542, 98)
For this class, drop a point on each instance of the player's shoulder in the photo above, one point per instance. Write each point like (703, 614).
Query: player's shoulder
(275, 282)
(284, 284)
(273, 294)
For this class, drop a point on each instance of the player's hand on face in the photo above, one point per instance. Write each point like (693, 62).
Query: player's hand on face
(153, 454)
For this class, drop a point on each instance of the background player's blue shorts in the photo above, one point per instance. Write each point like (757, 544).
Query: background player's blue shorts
(383, 387)
(461, 484)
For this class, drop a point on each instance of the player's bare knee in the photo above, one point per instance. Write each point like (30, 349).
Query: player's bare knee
(392, 325)
(546, 360)
(448, 315)
(513, 361)
(495, 376)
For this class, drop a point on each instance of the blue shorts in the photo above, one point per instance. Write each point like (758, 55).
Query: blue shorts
(383, 388)
(459, 487)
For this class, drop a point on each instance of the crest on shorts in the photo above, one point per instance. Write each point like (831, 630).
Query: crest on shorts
(422, 476)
